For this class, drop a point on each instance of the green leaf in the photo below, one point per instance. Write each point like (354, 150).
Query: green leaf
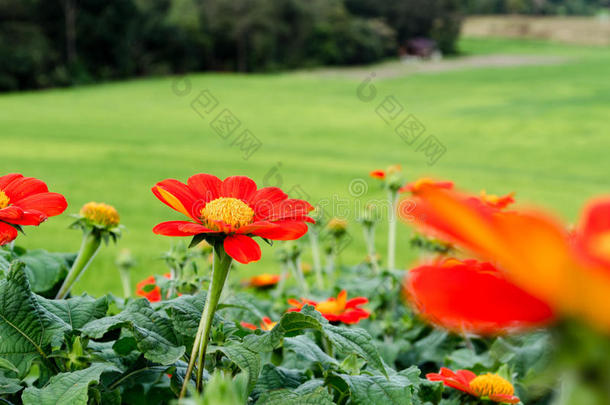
(185, 313)
(9, 385)
(27, 330)
(378, 390)
(77, 311)
(44, 269)
(7, 365)
(248, 361)
(467, 359)
(66, 388)
(288, 397)
(153, 333)
(273, 378)
(355, 340)
(289, 323)
(304, 347)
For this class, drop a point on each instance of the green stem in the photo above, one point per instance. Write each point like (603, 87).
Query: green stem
(369, 238)
(393, 197)
(125, 281)
(88, 249)
(315, 253)
(298, 274)
(220, 270)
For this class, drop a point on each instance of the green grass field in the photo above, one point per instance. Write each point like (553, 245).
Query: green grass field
(543, 131)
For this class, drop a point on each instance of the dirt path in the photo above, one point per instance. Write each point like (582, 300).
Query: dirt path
(398, 69)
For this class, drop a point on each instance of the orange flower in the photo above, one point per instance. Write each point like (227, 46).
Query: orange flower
(570, 272)
(265, 280)
(471, 296)
(154, 294)
(378, 174)
(415, 186)
(495, 201)
(486, 386)
(25, 201)
(266, 324)
(233, 211)
(338, 309)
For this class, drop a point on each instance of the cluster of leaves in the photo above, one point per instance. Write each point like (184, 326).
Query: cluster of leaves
(84, 350)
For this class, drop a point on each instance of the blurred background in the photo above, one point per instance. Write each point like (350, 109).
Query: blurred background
(103, 98)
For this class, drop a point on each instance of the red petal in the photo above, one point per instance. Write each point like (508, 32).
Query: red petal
(179, 228)
(8, 178)
(282, 230)
(241, 187)
(176, 195)
(50, 204)
(7, 233)
(31, 217)
(354, 302)
(595, 222)
(289, 208)
(23, 187)
(473, 297)
(206, 186)
(263, 200)
(242, 248)
(11, 213)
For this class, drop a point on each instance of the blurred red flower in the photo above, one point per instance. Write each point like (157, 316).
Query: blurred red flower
(338, 309)
(264, 280)
(486, 386)
(25, 201)
(266, 324)
(233, 210)
(471, 296)
(151, 294)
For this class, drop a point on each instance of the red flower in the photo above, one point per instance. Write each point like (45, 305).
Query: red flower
(266, 324)
(497, 202)
(592, 237)
(233, 210)
(338, 309)
(487, 386)
(265, 280)
(25, 201)
(153, 295)
(471, 296)
(378, 174)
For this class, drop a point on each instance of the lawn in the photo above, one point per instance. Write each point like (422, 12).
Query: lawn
(542, 131)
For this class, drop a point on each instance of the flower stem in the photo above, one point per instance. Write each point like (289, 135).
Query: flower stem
(295, 264)
(393, 197)
(315, 253)
(88, 249)
(220, 270)
(369, 238)
(125, 282)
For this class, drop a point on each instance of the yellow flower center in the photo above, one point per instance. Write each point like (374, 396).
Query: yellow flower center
(231, 211)
(489, 384)
(101, 214)
(4, 200)
(333, 306)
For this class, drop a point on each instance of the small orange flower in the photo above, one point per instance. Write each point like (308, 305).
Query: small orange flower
(266, 324)
(100, 214)
(378, 174)
(265, 280)
(495, 201)
(486, 386)
(338, 309)
(153, 295)
(415, 186)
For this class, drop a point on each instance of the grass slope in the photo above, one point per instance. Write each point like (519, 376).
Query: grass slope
(542, 131)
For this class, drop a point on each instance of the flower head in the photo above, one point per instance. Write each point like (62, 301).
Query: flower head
(471, 296)
(569, 271)
(266, 324)
(100, 214)
(486, 386)
(338, 309)
(149, 289)
(337, 226)
(391, 177)
(25, 201)
(264, 280)
(232, 212)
